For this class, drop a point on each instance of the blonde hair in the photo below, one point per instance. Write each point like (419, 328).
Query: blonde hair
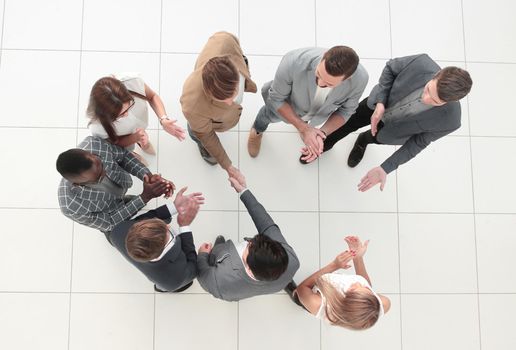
(352, 309)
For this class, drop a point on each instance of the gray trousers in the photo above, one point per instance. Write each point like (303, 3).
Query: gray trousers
(193, 137)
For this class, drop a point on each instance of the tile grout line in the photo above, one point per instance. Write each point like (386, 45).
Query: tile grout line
(472, 182)
(157, 155)
(70, 293)
(397, 206)
(76, 142)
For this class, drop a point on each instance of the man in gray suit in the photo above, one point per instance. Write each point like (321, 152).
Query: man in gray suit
(96, 177)
(260, 265)
(166, 257)
(414, 104)
(312, 86)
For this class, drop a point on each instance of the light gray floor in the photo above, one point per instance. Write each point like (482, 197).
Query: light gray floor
(447, 262)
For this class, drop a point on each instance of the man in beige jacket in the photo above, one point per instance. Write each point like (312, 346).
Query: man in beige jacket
(212, 96)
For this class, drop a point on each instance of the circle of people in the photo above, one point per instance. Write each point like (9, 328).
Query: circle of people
(317, 91)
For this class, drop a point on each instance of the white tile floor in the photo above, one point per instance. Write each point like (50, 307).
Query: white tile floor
(442, 233)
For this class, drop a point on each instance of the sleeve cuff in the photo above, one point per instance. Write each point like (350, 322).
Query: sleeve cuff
(172, 209)
(243, 191)
(183, 229)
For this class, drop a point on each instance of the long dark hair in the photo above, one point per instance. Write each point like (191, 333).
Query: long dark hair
(107, 98)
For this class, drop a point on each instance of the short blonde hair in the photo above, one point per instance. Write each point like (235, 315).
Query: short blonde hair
(352, 309)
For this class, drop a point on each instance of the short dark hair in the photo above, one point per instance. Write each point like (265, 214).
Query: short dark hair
(267, 258)
(73, 162)
(146, 239)
(340, 61)
(220, 77)
(453, 83)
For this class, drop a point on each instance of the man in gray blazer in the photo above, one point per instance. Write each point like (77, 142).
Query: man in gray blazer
(414, 104)
(96, 177)
(260, 265)
(165, 257)
(312, 86)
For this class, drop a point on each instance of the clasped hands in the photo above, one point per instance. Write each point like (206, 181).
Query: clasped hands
(313, 139)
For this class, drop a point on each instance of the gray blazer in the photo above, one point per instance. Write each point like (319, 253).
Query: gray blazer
(294, 83)
(228, 280)
(400, 77)
(98, 209)
(179, 265)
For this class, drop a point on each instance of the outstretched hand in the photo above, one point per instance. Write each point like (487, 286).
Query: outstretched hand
(373, 176)
(182, 201)
(173, 129)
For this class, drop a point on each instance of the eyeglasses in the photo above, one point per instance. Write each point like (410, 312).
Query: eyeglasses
(127, 110)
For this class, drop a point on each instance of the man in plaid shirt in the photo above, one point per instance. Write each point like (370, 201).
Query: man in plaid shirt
(95, 180)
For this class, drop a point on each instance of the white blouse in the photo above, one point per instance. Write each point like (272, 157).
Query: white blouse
(342, 282)
(138, 114)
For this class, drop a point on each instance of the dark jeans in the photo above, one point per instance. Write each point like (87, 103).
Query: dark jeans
(359, 119)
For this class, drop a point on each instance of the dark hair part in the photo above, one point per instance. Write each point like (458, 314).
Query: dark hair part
(146, 239)
(453, 83)
(340, 61)
(73, 162)
(267, 258)
(107, 97)
(220, 77)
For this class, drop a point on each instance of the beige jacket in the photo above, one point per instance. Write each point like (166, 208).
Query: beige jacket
(205, 115)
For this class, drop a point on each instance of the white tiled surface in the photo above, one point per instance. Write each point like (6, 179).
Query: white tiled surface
(442, 232)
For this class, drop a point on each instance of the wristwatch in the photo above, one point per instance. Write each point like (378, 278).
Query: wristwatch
(163, 117)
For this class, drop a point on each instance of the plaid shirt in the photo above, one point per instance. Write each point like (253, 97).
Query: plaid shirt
(98, 209)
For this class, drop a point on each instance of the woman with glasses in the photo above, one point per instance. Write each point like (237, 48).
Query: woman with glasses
(118, 112)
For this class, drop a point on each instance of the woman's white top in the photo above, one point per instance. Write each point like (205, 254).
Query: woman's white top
(138, 115)
(342, 283)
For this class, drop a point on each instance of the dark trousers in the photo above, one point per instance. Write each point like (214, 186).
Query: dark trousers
(359, 119)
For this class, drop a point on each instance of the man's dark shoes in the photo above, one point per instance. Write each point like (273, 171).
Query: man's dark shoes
(356, 154)
(206, 156)
(179, 290)
(289, 289)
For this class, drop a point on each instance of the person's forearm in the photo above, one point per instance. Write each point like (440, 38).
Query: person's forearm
(309, 282)
(334, 122)
(287, 112)
(360, 268)
(157, 105)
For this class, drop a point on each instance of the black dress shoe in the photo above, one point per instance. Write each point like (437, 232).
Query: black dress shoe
(206, 156)
(179, 290)
(183, 288)
(356, 154)
(304, 162)
(289, 289)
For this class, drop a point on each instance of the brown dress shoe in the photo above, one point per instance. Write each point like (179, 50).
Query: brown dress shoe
(254, 142)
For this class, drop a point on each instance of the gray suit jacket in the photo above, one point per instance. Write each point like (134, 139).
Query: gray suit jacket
(179, 265)
(400, 77)
(228, 280)
(97, 209)
(294, 83)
